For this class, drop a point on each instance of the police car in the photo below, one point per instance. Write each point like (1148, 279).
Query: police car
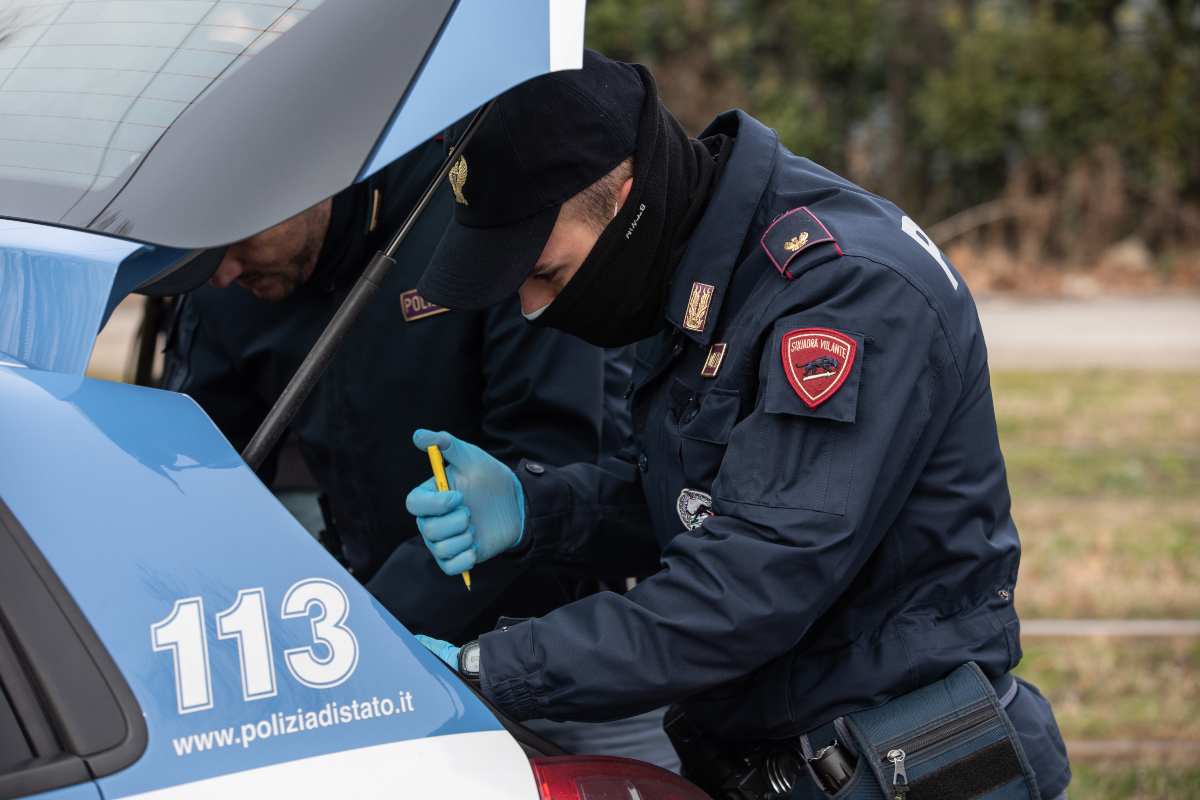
(167, 629)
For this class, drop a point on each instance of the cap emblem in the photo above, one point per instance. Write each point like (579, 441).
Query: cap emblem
(697, 307)
(458, 180)
(796, 243)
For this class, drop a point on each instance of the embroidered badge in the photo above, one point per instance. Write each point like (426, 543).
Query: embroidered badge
(415, 307)
(697, 307)
(693, 508)
(716, 354)
(458, 180)
(791, 234)
(817, 362)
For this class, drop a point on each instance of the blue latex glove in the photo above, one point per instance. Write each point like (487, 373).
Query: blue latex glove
(481, 516)
(443, 650)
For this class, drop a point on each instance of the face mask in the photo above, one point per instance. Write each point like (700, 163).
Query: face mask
(617, 295)
(532, 315)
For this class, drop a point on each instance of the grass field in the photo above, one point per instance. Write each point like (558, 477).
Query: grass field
(1105, 472)
(1134, 782)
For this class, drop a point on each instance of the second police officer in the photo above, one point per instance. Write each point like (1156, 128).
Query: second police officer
(817, 465)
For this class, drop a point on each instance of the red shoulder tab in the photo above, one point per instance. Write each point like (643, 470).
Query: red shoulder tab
(790, 234)
(817, 362)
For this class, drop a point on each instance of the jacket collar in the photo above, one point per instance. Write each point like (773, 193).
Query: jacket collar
(703, 276)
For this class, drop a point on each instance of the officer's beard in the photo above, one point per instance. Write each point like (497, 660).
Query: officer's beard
(619, 293)
(274, 285)
(277, 280)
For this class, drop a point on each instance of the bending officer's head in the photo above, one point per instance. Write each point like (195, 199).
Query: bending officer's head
(271, 264)
(566, 195)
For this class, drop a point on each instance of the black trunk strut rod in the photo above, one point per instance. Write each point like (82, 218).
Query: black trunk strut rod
(318, 358)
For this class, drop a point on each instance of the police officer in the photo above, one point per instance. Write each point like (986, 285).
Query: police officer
(482, 374)
(816, 450)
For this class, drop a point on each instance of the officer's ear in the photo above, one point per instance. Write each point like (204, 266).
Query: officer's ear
(623, 195)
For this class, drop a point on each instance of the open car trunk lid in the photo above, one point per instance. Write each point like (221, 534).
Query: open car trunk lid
(196, 124)
(185, 126)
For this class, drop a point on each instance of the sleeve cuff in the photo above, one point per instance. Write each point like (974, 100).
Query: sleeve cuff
(547, 498)
(504, 675)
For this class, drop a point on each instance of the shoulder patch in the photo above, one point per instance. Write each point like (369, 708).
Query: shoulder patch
(790, 234)
(817, 362)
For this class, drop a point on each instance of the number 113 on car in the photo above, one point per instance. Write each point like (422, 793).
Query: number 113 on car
(322, 601)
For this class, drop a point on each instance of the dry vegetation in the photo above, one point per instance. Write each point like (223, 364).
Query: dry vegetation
(1127, 688)
(1110, 559)
(1105, 468)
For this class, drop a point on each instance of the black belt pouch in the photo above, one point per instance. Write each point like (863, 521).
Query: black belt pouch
(950, 740)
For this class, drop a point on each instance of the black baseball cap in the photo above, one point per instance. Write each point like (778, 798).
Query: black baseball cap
(541, 144)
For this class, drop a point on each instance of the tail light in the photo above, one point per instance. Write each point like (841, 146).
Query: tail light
(607, 778)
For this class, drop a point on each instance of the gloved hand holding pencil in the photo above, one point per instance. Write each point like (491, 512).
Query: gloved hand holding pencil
(482, 515)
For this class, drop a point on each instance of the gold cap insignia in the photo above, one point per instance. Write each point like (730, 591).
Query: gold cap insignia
(792, 245)
(697, 307)
(458, 179)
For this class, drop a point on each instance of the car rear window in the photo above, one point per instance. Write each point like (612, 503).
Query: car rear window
(119, 116)
(88, 88)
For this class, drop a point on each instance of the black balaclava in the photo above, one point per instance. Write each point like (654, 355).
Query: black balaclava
(619, 293)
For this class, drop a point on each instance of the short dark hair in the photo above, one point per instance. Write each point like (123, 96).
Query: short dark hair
(594, 205)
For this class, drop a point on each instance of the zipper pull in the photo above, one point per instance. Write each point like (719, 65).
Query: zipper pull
(899, 776)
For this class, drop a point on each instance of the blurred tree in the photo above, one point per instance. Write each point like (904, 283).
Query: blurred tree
(1090, 105)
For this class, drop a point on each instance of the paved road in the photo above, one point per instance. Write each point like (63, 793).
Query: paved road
(1154, 751)
(1159, 332)
(1122, 628)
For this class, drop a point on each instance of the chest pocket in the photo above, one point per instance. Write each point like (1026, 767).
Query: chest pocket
(792, 454)
(704, 428)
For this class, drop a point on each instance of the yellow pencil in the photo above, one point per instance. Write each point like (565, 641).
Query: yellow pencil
(443, 485)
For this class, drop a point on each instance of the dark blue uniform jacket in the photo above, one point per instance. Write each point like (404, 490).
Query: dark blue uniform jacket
(858, 548)
(487, 377)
